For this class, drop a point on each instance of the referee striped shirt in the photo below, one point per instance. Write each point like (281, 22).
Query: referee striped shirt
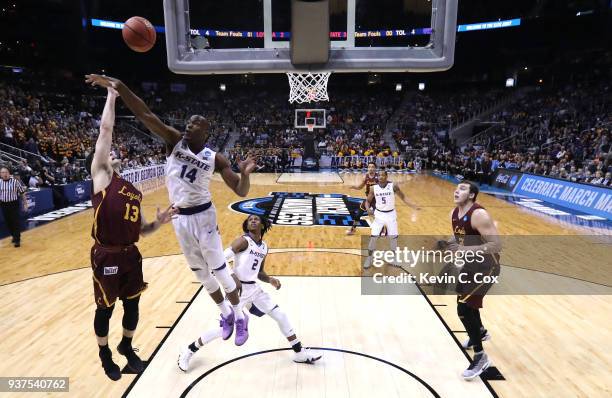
(10, 190)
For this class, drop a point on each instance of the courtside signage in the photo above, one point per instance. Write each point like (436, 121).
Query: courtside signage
(586, 198)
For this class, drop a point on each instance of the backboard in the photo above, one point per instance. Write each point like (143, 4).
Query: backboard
(253, 36)
(310, 119)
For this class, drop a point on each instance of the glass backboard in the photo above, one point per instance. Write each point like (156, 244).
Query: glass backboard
(253, 36)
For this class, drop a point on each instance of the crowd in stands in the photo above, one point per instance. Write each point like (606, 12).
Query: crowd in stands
(562, 133)
(355, 123)
(54, 129)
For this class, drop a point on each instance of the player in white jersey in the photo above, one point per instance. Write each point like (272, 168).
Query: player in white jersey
(189, 168)
(249, 252)
(385, 215)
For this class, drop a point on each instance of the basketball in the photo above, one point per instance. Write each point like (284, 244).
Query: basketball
(139, 34)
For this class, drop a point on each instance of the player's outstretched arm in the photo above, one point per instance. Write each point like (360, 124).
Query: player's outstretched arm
(101, 169)
(169, 134)
(404, 199)
(161, 219)
(360, 186)
(240, 184)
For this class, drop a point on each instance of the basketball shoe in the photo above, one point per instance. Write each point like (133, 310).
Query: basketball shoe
(479, 364)
(484, 336)
(184, 358)
(242, 330)
(306, 356)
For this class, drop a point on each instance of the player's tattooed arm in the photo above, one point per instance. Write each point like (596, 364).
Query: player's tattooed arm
(262, 276)
(404, 199)
(138, 107)
(240, 184)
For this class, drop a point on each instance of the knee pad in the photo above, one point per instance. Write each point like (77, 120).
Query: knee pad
(283, 321)
(225, 279)
(102, 320)
(207, 280)
(130, 313)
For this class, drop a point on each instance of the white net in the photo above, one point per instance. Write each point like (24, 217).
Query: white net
(308, 87)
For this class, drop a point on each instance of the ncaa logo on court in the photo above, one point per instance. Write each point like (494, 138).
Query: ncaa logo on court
(303, 208)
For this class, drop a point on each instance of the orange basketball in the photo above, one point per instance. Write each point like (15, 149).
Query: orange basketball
(139, 34)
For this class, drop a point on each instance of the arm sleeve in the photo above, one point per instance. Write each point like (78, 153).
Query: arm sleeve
(229, 254)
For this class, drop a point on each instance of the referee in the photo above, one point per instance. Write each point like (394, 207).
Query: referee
(10, 191)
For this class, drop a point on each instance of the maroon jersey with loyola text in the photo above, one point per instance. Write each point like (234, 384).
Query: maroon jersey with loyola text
(117, 213)
(467, 235)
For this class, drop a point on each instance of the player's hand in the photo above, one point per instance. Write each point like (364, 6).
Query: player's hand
(112, 92)
(165, 216)
(370, 212)
(247, 165)
(238, 284)
(275, 282)
(102, 81)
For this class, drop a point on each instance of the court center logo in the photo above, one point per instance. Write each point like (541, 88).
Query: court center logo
(303, 209)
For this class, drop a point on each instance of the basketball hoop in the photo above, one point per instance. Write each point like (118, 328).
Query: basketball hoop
(308, 87)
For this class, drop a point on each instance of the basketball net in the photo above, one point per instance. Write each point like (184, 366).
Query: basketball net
(308, 87)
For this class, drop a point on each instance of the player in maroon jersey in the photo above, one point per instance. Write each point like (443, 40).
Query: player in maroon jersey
(474, 231)
(115, 260)
(370, 179)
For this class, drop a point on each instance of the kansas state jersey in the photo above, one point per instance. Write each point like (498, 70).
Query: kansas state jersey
(188, 175)
(385, 197)
(247, 263)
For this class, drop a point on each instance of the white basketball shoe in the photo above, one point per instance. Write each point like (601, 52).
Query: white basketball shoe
(184, 358)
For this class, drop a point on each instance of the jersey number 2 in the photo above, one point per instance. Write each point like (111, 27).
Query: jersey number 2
(191, 175)
(255, 264)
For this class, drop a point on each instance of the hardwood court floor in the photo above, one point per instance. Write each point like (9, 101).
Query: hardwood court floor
(555, 345)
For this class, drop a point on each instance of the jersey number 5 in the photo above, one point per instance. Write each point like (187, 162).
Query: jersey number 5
(191, 175)
(384, 200)
(134, 210)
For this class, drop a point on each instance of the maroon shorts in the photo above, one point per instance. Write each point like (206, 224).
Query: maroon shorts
(117, 273)
(472, 291)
